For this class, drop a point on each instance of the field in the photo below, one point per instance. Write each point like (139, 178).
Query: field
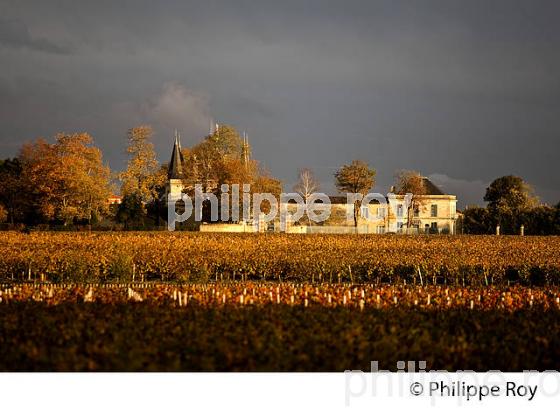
(178, 301)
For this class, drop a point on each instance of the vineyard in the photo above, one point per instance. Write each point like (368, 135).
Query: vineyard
(195, 257)
(272, 327)
(222, 302)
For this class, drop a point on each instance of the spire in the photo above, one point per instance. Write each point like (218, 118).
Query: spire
(175, 169)
(245, 153)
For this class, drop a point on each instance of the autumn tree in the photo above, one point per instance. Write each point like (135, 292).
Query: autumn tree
(226, 141)
(142, 177)
(265, 183)
(355, 178)
(411, 182)
(67, 180)
(219, 159)
(88, 176)
(223, 157)
(40, 178)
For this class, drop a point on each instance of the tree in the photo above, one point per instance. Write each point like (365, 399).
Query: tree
(507, 198)
(226, 141)
(156, 208)
(265, 183)
(355, 178)
(223, 157)
(41, 179)
(204, 161)
(220, 159)
(12, 190)
(475, 220)
(307, 184)
(510, 192)
(66, 180)
(539, 220)
(131, 211)
(411, 182)
(557, 220)
(3, 214)
(87, 177)
(142, 177)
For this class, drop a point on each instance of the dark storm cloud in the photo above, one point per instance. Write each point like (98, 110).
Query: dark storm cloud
(14, 33)
(464, 91)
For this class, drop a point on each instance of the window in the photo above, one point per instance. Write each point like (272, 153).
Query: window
(380, 229)
(365, 212)
(434, 228)
(381, 212)
(416, 211)
(399, 210)
(433, 211)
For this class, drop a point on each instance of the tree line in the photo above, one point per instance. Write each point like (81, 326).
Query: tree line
(513, 207)
(66, 183)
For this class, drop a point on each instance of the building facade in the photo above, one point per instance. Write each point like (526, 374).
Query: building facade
(434, 212)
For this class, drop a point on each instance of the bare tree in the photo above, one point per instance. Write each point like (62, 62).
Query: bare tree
(307, 184)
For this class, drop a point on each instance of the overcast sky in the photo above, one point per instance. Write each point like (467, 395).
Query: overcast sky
(462, 91)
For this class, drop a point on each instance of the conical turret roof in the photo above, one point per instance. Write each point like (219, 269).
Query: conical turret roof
(175, 170)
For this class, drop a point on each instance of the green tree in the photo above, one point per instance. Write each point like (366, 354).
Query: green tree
(156, 209)
(355, 178)
(13, 193)
(507, 198)
(131, 211)
(476, 220)
(510, 192)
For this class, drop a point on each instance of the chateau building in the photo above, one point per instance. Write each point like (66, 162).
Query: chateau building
(433, 212)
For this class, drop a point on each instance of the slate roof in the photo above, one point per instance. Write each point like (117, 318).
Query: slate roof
(175, 169)
(431, 188)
